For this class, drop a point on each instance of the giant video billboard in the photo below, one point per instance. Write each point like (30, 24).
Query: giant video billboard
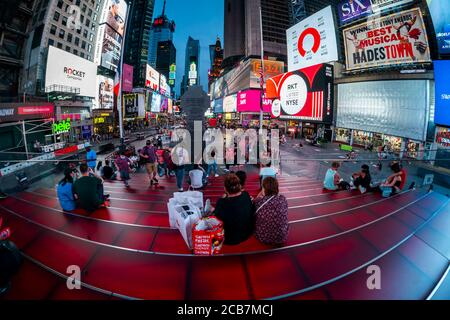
(152, 78)
(312, 41)
(68, 70)
(400, 38)
(305, 94)
(110, 34)
(105, 93)
(440, 14)
(442, 91)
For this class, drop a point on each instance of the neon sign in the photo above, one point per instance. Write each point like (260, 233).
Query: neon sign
(62, 126)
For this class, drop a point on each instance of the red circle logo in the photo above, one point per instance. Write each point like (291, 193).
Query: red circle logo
(316, 36)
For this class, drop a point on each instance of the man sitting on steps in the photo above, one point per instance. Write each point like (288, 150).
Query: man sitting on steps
(88, 190)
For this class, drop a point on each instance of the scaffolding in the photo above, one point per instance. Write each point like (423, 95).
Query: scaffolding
(27, 127)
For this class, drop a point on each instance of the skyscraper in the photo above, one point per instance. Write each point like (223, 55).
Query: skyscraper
(162, 30)
(192, 65)
(166, 55)
(50, 26)
(14, 22)
(234, 32)
(243, 29)
(137, 40)
(216, 56)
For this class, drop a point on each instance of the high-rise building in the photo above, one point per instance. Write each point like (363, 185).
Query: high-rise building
(15, 18)
(51, 27)
(137, 39)
(162, 30)
(234, 32)
(297, 11)
(165, 57)
(216, 56)
(192, 65)
(243, 29)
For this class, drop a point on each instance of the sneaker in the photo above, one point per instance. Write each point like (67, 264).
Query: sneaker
(216, 175)
(155, 180)
(362, 189)
(106, 196)
(3, 195)
(180, 190)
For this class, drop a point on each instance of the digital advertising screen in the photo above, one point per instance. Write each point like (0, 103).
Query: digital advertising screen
(442, 90)
(440, 14)
(66, 69)
(305, 94)
(400, 39)
(312, 41)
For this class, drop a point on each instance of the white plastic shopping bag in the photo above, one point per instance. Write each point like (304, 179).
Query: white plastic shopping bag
(186, 216)
(193, 197)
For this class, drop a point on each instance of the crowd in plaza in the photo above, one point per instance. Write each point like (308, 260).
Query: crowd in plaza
(265, 216)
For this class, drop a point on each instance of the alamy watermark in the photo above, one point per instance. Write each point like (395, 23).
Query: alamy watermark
(231, 146)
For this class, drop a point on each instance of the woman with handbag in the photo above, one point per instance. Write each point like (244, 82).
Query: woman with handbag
(272, 226)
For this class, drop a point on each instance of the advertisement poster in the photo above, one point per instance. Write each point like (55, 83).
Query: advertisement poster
(440, 14)
(400, 38)
(156, 103)
(380, 5)
(271, 69)
(112, 44)
(110, 34)
(442, 81)
(170, 106)
(230, 103)
(66, 69)
(127, 78)
(105, 93)
(130, 106)
(164, 87)
(443, 137)
(352, 10)
(250, 101)
(152, 78)
(312, 41)
(114, 15)
(305, 94)
(217, 105)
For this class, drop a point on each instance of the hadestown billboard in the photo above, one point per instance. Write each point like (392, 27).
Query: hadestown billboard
(312, 41)
(399, 38)
(66, 69)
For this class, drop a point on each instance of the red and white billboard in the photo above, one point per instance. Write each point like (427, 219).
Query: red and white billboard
(152, 78)
(250, 101)
(305, 94)
(312, 41)
(399, 38)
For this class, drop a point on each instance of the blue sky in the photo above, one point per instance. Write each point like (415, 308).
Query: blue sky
(200, 19)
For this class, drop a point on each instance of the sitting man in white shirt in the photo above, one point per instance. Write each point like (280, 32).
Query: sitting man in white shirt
(196, 176)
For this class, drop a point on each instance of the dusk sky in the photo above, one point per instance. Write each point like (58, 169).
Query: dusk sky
(200, 19)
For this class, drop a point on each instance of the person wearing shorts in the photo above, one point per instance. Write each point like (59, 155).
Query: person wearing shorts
(149, 156)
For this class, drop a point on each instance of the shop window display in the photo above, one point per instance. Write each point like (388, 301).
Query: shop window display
(343, 135)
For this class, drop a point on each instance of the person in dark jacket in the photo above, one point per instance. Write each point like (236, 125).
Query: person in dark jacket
(236, 210)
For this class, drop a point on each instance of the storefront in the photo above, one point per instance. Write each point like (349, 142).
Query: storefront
(442, 147)
(26, 122)
(103, 121)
